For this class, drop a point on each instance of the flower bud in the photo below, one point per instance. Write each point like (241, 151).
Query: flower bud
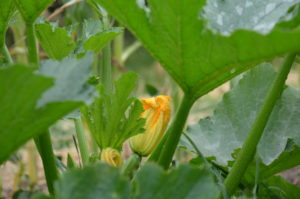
(157, 114)
(112, 157)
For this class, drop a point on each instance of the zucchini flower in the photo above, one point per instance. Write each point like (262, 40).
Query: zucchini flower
(112, 157)
(157, 114)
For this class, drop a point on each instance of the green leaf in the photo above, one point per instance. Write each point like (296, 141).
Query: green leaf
(105, 182)
(91, 27)
(6, 10)
(107, 117)
(278, 187)
(225, 131)
(287, 159)
(183, 182)
(71, 80)
(257, 15)
(21, 120)
(196, 58)
(55, 41)
(96, 37)
(31, 9)
(97, 42)
(93, 182)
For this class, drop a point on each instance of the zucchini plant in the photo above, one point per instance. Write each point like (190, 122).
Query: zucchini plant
(252, 135)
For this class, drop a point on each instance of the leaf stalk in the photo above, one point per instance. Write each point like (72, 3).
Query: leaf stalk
(174, 132)
(48, 159)
(248, 150)
(31, 44)
(43, 141)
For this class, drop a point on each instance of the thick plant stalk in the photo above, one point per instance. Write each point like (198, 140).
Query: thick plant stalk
(248, 150)
(131, 165)
(31, 44)
(174, 132)
(48, 159)
(81, 136)
(43, 141)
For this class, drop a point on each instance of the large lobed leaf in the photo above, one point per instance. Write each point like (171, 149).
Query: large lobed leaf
(105, 182)
(30, 102)
(71, 80)
(183, 182)
(20, 89)
(261, 16)
(177, 36)
(225, 131)
(94, 182)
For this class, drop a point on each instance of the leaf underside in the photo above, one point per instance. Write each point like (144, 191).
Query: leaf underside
(177, 36)
(31, 100)
(227, 129)
(20, 119)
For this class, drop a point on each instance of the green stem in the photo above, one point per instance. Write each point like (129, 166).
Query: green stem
(81, 136)
(48, 159)
(212, 167)
(96, 71)
(6, 54)
(106, 66)
(174, 132)
(248, 150)
(118, 48)
(43, 142)
(131, 165)
(31, 44)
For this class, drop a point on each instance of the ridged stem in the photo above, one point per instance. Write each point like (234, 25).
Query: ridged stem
(48, 159)
(248, 150)
(31, 44)
(174, 132)
(43, 141)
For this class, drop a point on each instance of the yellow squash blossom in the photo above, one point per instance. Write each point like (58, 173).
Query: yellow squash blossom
(112, 157)
(157, 114)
